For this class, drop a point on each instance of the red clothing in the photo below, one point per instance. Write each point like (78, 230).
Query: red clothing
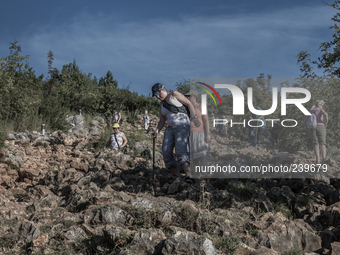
(319, 116)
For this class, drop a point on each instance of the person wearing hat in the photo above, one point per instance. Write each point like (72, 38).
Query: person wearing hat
(117, 139)
(177, 133)
(200, 136)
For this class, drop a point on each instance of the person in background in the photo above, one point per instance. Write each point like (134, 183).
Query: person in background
(212, 119)
(221, 127)
(146, 121)
(117, 117)
(250, 130)
(260, 129)
(117, 139)
(177, 133)
(318, 134)
(200, 136)
(275, 130)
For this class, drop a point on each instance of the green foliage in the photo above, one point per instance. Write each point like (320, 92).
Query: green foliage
(142, 217)
(320, 88)
(298, 138)
(104, 137)
(333, 153)
(243, 191)
(134, 136)
(183, 86)
(283, 206)
(293, 251)
(8, 240)
(329, 60)
(250, 228)
(19, 89)
(41, 143)
(2, 135)
(186, 217)
(307, 201)
(229, 245)
(28, 101)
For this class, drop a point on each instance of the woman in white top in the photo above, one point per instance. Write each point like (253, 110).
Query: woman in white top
(117, 117)
(178, 131)
(146, 121)
(117, 139)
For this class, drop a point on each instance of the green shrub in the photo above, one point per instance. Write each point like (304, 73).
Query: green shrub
(229, 245)
(186, 217)
(306, 201)
(284, 207)
(243, 191)
(142, 218)
(41, 143)
(104, 137)
(293, 251)
(134, 136)
(2, 136)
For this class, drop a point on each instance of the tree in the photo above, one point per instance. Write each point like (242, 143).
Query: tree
(183, 86)
(19, 89)
(325, 87)
(108, 81)
(329, 60)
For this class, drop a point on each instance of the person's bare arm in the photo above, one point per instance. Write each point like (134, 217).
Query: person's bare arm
(306, 119)
(124, 142)
(185, 101)
(206, 127)
(108, 143)
(119, 117)
(325, 115)
(161, 122)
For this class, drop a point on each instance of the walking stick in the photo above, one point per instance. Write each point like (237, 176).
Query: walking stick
(153, 166)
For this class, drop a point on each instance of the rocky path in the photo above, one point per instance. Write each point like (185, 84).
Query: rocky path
(57, 196)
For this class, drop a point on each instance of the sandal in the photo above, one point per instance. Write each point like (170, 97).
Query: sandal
(189, 180)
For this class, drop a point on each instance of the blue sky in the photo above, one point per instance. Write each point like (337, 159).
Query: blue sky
(144, 42)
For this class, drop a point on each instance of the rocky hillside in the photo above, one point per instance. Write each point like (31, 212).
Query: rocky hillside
(58, 196)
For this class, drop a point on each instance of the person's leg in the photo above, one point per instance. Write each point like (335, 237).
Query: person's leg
(186, 168)
(167, 148)
(265, 134)
(175, 171)
(316, 144)
(321, 134)
(255, 129)
(323, 151)
(182, 134)
(317, 153)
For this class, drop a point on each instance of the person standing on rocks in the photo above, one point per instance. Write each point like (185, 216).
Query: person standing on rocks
(146, 121)
(260, 129)
(174, 113)
(318, 134)
(117, 139)
(117, 117)
(200, 136)
(250, 130)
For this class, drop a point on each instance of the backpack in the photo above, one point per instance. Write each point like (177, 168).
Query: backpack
(174, 109)
(311, 123)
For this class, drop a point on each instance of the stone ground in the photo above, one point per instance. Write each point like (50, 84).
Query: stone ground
(58, 196)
